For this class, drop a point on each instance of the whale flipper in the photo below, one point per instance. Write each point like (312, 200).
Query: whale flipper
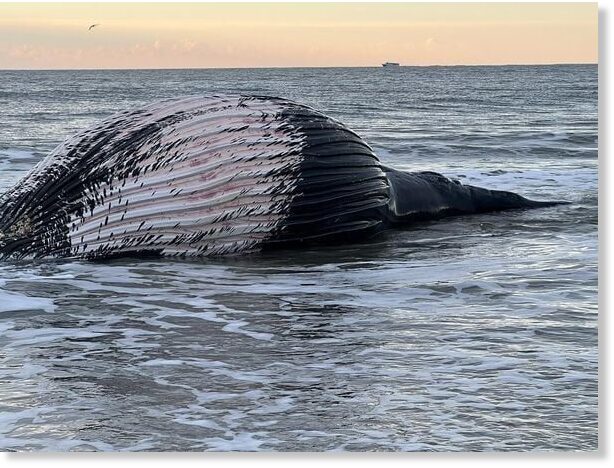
(419, 196)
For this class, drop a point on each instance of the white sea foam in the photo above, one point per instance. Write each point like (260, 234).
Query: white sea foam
(11, 302)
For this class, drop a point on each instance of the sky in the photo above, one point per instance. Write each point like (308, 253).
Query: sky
(228, 35)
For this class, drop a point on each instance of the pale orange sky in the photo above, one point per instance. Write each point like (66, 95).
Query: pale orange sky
(188, 35)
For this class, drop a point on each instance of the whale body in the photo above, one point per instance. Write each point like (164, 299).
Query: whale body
(215, 175)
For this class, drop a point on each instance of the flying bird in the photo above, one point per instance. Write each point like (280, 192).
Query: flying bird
(93, 26)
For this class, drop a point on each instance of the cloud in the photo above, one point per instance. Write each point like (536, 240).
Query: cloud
(25, 51)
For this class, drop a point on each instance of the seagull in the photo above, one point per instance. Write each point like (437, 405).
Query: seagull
(93, 26)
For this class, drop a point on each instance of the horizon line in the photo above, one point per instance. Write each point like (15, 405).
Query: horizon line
(300, 67)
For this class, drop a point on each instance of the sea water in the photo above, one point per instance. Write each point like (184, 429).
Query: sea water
(473, 333)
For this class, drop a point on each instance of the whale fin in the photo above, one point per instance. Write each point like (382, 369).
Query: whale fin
(419, 196)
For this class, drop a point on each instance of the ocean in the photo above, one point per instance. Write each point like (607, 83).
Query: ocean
(475, 333)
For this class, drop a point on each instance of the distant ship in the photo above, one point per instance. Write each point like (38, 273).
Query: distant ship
(390, 64)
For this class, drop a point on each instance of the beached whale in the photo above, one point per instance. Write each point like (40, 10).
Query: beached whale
(203, 176)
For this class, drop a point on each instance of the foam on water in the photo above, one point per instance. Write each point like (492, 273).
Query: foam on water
(474, 333)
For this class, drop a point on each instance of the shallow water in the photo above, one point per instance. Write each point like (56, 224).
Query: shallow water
(474, 333)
